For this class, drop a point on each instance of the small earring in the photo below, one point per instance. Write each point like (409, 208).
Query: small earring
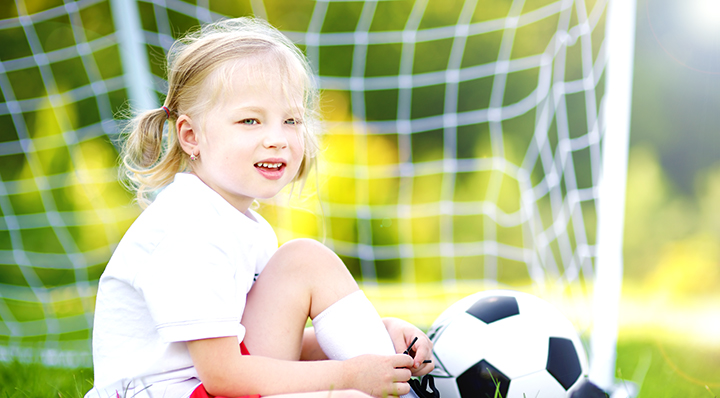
(192, 156)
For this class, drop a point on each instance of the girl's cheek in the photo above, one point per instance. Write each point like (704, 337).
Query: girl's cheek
(297, 144)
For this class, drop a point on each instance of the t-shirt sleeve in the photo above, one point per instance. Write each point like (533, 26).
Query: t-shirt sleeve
(190, 288)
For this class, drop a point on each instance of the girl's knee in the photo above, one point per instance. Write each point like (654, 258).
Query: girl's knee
(302, 245)
(306, 253)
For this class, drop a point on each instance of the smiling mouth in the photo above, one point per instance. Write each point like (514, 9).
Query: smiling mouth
(269, 166)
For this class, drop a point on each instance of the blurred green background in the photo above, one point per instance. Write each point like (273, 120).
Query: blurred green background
(671, 302)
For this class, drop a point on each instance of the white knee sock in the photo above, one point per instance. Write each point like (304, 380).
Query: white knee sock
(351, 327)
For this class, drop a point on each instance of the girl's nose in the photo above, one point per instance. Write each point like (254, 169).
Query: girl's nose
(275, 138)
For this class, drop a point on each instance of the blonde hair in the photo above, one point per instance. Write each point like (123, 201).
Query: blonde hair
(151, 159)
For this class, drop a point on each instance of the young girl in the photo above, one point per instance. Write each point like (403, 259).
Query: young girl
(197, 299)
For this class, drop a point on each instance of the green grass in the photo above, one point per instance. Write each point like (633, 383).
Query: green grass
(670, 368)
(18, 380)
(666, 369)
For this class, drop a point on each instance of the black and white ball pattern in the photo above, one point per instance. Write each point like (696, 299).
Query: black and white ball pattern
(506, 342)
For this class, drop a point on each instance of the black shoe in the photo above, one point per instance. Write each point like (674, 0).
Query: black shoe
(425, 388)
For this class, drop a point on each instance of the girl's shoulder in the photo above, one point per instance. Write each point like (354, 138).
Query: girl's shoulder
(180, 208)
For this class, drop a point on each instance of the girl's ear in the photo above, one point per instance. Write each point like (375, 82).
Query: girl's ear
(187, 134)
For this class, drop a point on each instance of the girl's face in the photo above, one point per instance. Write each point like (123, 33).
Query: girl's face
(251, 145)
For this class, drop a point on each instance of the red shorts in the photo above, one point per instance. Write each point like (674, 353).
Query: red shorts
(200, 390)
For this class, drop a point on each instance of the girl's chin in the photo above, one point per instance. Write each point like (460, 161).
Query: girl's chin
(268, 194)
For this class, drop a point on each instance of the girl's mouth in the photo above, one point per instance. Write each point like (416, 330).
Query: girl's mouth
(270, 170)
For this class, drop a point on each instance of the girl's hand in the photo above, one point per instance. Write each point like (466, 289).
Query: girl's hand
(403, 333)
(378, 375)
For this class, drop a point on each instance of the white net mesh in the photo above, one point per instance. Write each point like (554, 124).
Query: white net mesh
(463, 143)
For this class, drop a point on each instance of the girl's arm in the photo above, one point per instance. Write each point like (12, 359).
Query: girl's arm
(225, 372)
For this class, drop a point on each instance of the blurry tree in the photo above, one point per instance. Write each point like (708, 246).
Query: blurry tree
(671, 238)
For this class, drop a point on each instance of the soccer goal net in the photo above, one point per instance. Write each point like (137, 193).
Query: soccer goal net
(464, 142)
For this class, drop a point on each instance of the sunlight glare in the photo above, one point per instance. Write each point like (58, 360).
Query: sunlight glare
(705, 17)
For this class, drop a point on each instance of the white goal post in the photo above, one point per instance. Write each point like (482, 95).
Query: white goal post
(612, 188)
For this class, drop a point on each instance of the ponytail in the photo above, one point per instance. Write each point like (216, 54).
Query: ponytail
(150, 158)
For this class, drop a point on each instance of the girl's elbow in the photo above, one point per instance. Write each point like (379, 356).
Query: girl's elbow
(220, 382)
(214, 385)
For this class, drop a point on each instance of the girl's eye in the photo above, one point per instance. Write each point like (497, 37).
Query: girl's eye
(293, 121)
(249, 121)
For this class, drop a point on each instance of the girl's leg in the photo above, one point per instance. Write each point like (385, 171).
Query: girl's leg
(303, 278)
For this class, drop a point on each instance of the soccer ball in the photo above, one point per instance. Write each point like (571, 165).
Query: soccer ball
(506, 342)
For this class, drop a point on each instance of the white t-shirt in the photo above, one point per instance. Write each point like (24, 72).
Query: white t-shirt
(181, 272)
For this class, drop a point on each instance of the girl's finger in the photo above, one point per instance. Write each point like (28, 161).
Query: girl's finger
(423, 358)
(410, 347)
(402, 388)
(398, 342)
(423, 369)
(423, 351)
(402, 361)
(402, 376)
